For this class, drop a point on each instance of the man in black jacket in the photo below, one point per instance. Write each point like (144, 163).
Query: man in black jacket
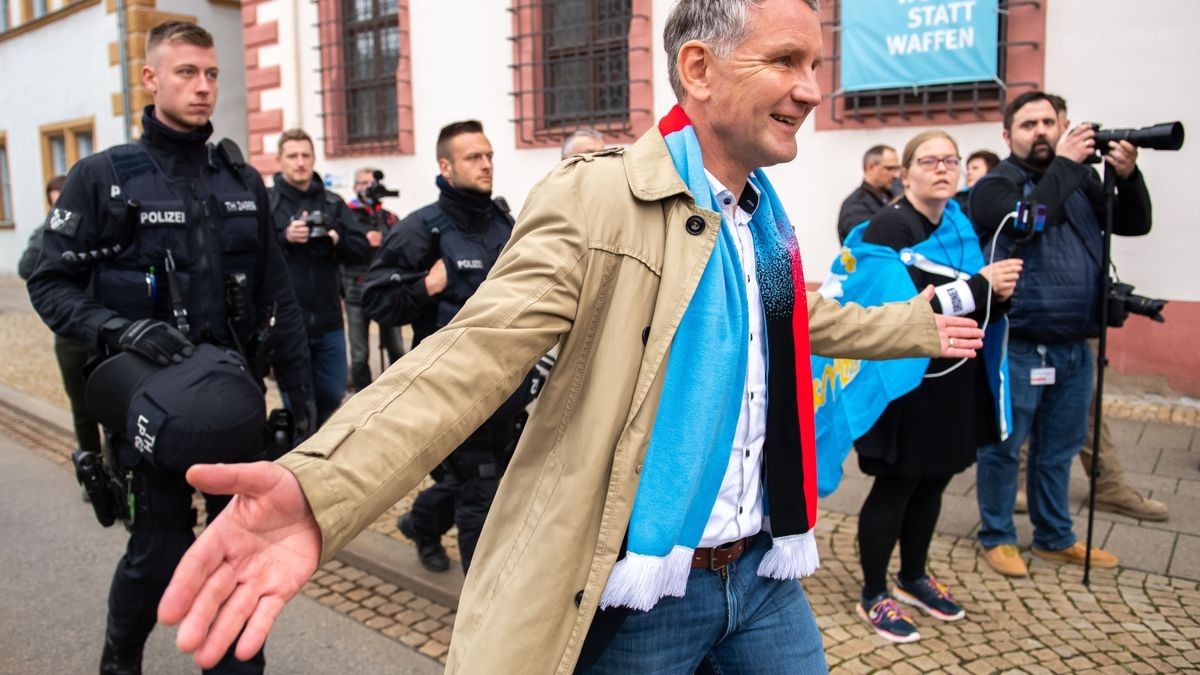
(429, 265)
(881, 171)
(142, 252)
(317, 232)
(1055, 309)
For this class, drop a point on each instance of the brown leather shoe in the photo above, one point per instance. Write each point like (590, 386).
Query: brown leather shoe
(1074, 554)
(1006, 560)
(1126, 502)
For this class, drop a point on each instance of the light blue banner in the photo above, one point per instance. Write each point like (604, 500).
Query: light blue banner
(889, 44)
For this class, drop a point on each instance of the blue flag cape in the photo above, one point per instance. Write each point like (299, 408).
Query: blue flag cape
(849, 395)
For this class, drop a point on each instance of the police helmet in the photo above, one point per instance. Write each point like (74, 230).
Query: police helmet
(205, 409)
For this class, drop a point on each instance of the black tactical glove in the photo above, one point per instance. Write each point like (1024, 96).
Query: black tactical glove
(304, 414)
(150, 338)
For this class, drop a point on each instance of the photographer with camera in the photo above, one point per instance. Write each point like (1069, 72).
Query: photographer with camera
(376, 222)
(1055, 309)
(158, 257)
(317, 232)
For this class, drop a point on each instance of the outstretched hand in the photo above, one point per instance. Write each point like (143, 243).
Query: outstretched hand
(246, 565)
(960, 336)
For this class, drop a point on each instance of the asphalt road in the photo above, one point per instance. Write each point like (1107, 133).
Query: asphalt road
(55, 566)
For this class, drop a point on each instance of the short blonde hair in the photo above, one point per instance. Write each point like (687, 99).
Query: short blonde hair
(294, 135)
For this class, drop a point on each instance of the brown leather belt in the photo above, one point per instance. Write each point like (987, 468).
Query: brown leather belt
(721, 556)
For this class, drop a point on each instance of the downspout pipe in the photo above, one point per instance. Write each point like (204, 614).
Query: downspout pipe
(123, 49)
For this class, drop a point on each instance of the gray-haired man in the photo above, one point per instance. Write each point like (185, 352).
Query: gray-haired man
(605, 262)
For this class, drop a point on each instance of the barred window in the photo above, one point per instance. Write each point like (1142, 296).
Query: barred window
(366, 85)
(580, 63)
(1020, 67)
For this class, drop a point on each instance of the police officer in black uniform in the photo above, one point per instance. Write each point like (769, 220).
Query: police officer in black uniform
(429, 265)
(153, 248)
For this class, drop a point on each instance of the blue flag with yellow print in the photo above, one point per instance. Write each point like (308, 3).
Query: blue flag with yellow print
(849, 395)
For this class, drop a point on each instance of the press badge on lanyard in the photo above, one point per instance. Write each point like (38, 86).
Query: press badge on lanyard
(1044, 376)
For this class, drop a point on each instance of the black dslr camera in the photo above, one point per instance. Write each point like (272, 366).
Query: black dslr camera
(1122, 302)
(376, 191)
(318, 224)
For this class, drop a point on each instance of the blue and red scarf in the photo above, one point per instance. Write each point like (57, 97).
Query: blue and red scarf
(702, 395)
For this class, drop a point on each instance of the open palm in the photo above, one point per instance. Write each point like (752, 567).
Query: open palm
(246, 565)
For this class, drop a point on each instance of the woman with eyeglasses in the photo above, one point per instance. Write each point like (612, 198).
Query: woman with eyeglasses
(927, 436)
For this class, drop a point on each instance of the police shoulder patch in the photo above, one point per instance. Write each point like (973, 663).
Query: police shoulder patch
(64, 222)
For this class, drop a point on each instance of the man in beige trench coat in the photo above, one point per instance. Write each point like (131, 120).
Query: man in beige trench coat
(603, 262)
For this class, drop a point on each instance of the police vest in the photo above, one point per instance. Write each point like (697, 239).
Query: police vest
(468, 256)
(207, 229)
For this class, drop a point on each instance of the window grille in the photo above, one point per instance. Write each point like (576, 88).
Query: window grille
(580, 63)
(941, 103)
(366, 86)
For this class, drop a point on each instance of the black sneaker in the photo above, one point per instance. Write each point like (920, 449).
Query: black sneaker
(930, 595)
(430, 551)
(889, 621)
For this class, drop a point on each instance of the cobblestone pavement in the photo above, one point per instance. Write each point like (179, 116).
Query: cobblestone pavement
(1127, 621)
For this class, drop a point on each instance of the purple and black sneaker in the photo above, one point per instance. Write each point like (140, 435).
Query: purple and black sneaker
(930, 595)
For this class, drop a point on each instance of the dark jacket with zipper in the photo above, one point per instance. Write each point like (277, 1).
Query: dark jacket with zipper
(313, 265)
(464, 229)
(1057, 298)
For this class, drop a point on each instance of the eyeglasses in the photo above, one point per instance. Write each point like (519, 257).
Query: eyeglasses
(931, 162)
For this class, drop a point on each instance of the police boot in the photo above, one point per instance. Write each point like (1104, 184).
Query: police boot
(117, 661)
(430, 551)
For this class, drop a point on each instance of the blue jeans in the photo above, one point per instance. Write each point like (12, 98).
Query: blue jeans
(743, 625)
(327, 353)
(1054, 419)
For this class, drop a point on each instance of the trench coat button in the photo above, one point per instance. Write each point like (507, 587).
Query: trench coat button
(637, 470)
(645, 334)
(578, 598)
(695, 225)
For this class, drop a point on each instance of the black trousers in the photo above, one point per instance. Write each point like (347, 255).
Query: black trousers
(897, 509)
(453, 500)
(150, 558)
(72, 357)
(463, 494)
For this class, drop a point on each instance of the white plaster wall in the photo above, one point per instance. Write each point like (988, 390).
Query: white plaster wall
(52, 74)
(1121, 63)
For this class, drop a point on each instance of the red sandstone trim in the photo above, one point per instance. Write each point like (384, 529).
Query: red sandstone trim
(261, 34)
(259, 122)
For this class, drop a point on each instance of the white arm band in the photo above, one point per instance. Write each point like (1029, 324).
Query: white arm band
(956, 298)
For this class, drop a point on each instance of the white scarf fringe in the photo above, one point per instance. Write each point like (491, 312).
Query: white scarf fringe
(791, 557)
(639, 581)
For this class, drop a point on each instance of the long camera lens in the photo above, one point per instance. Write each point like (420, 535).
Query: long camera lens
(1165, 136)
